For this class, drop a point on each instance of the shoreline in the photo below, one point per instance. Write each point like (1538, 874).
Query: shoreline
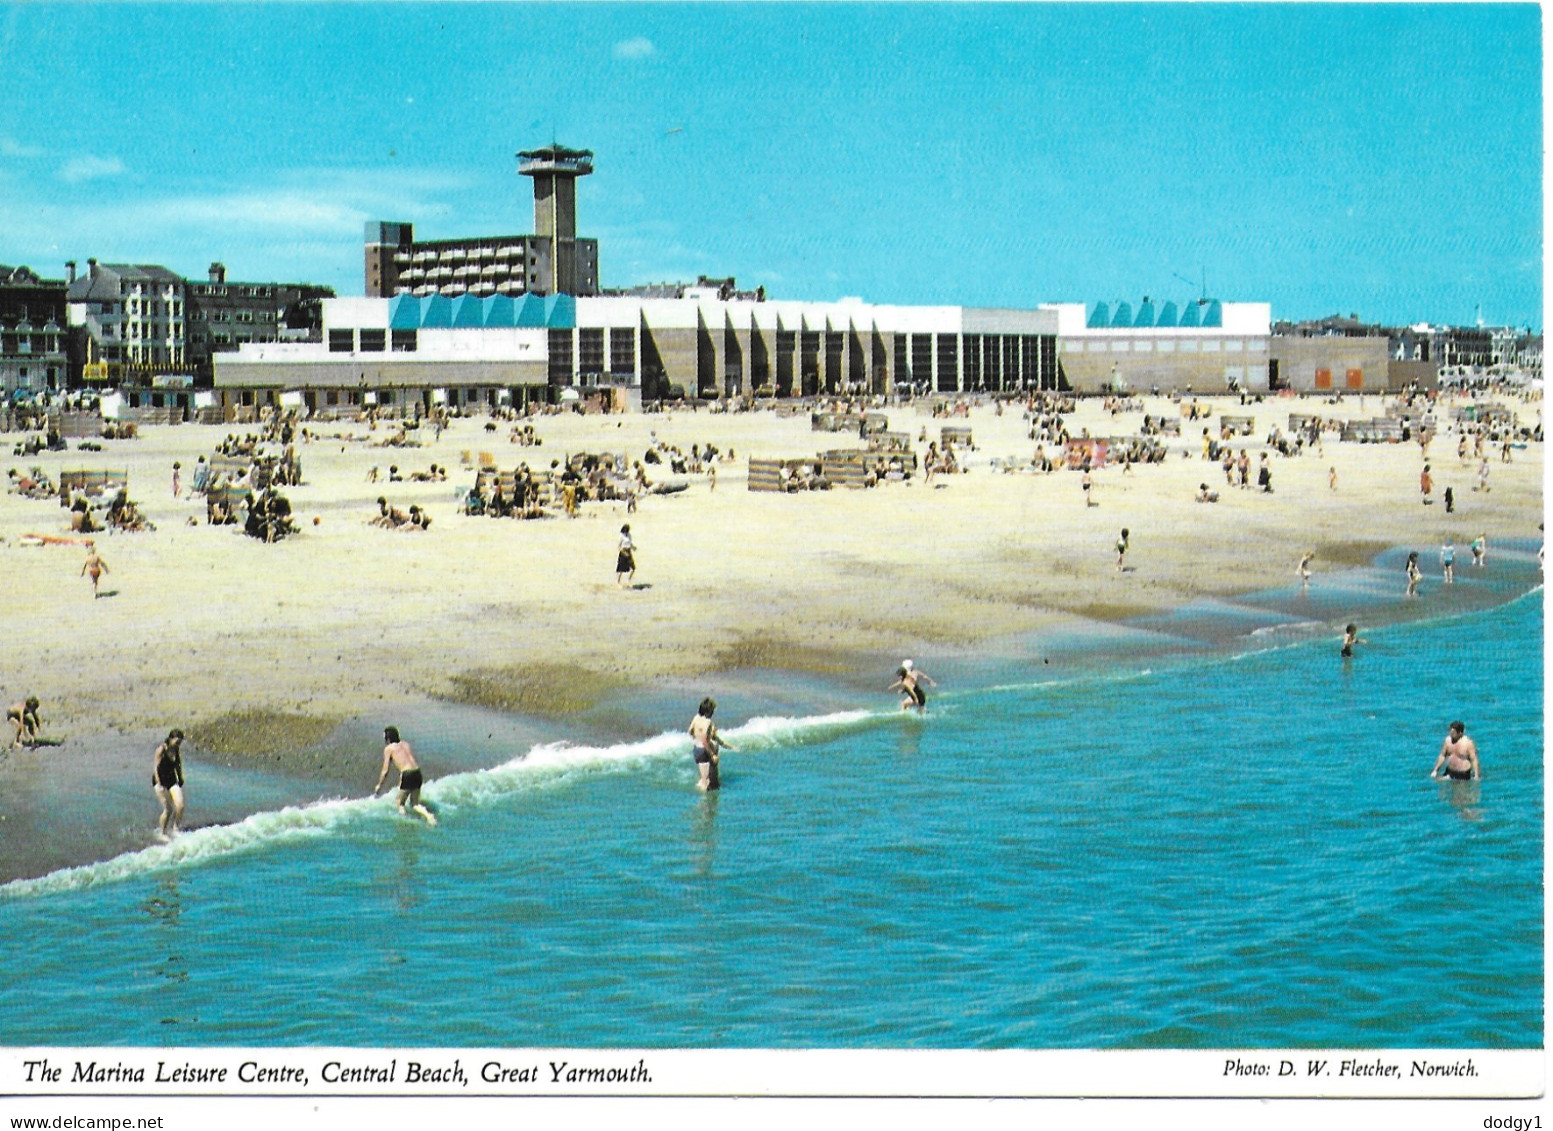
(96, 778)
(286, 659)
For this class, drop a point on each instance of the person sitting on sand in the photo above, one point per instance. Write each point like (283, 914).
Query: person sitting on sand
(706, 745)
(24, 717)
(397, 752)
(391, 517)
(909, 680)
(167, 781)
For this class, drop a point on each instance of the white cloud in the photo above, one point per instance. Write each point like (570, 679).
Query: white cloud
(637, 48)
(90, 168)
(10, 147)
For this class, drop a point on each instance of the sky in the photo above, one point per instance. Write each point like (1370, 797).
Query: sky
(1384, 161)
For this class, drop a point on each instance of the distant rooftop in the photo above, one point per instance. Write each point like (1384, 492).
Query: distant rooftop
(555, 158)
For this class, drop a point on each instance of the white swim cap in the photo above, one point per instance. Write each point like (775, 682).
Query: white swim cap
(906, 664)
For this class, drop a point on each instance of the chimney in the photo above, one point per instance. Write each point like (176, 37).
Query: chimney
(218, 272)
(69, 271)
(91, 268)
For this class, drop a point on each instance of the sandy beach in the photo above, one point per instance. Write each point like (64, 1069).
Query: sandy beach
(262, 651)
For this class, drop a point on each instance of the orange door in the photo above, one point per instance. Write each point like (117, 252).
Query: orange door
(1356, 378)
(1323, 378)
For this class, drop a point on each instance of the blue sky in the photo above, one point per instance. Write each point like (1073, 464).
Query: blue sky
(1379, 160)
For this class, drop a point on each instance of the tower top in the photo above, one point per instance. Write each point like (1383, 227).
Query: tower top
(556, 160)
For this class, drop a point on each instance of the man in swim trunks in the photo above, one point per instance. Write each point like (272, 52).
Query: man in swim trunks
(1459, 755)
(167, 781)
(706, 745)
(909, 679)
(24, 717)
(397, 752)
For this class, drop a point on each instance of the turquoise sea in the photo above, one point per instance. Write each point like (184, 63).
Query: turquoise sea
(1201, 831)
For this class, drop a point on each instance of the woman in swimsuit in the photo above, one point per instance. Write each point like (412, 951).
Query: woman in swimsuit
(167, 781)
(1413, 574)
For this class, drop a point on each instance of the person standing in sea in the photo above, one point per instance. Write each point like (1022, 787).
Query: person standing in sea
(706, 745)
(397, 753)
(1448, 561)
(1303, 570)
(1351, 637)
(167, 782)
(1459, 756)
(908, 681)
(1414, 574)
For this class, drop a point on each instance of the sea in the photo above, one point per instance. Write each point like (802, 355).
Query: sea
(1200, 830)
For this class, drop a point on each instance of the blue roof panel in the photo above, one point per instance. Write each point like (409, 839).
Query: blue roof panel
(468, 312)
(1099, 317)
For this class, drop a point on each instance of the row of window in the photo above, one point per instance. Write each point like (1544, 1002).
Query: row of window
(234, 316)
(372, 341)
(44, 343)
(219, 291)
(154, 308)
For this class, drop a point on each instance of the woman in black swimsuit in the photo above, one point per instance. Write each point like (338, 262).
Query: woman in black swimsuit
(167, 781)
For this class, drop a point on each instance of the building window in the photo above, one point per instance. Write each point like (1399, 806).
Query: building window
(921, 358)
(404, 341)
(622, 351)
(948, 363)
(342, 341)
(590, 351)
(560, 357)
(374, 341)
